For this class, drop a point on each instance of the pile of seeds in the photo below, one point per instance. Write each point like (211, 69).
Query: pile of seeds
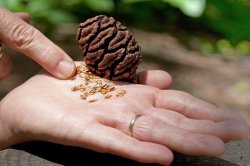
(94, 85)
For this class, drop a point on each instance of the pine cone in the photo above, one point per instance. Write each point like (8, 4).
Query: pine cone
(109, 49)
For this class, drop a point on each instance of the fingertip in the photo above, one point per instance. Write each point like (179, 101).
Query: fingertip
(159, 154)
(169, 159)
(213, 146)
(220, 147)
(244, 131)
(55, 61)
(155, 78)
(195, 144)
(234, 130)
(66, 69)
(164, 156)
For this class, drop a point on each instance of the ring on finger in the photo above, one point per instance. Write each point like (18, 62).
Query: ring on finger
(131, 124)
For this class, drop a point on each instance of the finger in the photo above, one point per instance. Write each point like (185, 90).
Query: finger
(192, 107)
(149, 129)
(5, 66)
(115, 142)
(24, 38)
(226, 130)
(23, 16)
(156, 78)
(105, 139)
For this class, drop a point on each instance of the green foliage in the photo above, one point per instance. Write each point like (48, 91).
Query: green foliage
(223, 25)
(229, 18)
(100, 6)
(193, 8)
(225, 48)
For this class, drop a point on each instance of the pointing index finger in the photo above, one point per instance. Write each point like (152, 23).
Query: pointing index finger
(24, 38)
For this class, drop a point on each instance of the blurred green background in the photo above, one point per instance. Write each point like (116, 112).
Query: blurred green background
(221, 26)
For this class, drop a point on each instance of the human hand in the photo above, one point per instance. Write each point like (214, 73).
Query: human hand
(44, 108)
(22, 37)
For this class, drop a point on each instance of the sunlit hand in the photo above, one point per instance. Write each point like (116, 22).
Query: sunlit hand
(45, 108)
(24, 38)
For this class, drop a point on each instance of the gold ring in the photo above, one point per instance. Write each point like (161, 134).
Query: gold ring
(1, 51)
(131, 124)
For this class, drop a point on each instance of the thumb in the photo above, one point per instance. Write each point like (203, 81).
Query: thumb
(24, 38)
(155, 78)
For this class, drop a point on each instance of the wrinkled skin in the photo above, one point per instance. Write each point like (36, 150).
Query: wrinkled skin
(17, 34)
(45, 108)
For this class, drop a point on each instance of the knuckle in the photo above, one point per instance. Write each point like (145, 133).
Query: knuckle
(48, 53)
(3, 16)
(124, 107)
(50, 56)
(243, 131)
(181, 122)
(187, 99)
(109, 144)
(184, 95)
(145, 127)
(23, 36)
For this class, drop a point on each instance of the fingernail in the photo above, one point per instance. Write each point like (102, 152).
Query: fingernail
(66, 69)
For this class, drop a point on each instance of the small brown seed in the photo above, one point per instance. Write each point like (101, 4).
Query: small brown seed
(108, 96)
(79, 69)
(103, 92)
(106, 80)
(83, 97)
(93, 100)
(118, 95)
(74, 88)
(100, 85)
(122, 91)
(99, 82)
(112, 88)
(82, 90)
(105, 86)
(82, 75)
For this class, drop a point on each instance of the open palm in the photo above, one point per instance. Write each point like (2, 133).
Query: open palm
(45, 108)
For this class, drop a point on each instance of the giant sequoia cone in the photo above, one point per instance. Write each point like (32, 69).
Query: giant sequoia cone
(109, 49)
